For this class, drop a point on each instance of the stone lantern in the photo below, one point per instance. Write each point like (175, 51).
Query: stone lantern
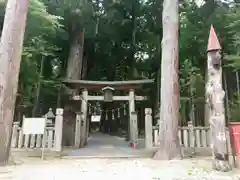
(108, 93)
(50, 117)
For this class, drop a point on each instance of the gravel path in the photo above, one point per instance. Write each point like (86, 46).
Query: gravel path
(111, 168)
(114, 169)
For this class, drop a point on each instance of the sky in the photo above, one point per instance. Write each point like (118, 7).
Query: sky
(199, 2)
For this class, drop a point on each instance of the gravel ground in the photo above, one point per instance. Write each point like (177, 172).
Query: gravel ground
(114, 169)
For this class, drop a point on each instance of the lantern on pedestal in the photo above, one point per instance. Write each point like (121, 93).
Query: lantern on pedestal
(108, 93)
(50, 117)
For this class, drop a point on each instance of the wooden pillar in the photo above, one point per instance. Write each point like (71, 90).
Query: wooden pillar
(192, 137)
(156, 135)
(58, 130)
(123, 119)
(131, 109)
(148, 129)
(15, 134)
(227, 115)
(134, 129)
(84, 118)
(215, 100)
(87, 126)
(77, 130)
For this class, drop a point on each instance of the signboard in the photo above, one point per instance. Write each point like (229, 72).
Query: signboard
(34, 125)
(96, 118)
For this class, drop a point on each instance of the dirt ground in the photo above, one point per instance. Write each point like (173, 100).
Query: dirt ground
(114, 169)
(110, 158)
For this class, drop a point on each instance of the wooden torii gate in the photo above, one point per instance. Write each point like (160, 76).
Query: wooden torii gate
(107, 87)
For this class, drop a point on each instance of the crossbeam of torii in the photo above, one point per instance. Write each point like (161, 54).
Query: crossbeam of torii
(115, 98)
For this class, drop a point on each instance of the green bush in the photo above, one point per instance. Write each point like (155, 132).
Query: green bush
(234, 108)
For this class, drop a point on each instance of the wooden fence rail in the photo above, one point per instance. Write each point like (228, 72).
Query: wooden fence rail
(191, 137)
(21, 141)
(196, 137)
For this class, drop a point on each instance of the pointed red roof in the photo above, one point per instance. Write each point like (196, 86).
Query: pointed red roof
(213, 42)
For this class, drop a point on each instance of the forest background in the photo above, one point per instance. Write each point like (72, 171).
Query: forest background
(121, 40)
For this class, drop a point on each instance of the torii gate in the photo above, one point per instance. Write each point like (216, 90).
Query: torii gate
(107, 87)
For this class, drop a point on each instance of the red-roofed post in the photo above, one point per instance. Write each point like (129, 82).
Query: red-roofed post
(215, 100)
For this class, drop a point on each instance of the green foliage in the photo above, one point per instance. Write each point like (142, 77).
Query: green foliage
(233, 57)
(234, 108)
(121, 36)
(40, 27)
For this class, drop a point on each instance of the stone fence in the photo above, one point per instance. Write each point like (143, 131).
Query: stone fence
(52, 140)
(192, 137)
(32, 141)
(189, 136)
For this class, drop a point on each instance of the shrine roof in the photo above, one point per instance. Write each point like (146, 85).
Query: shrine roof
(81, 84)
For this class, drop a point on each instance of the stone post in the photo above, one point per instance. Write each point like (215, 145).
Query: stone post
(77, 130)
(134, 130)
(191, 136)
(131, 109)
(88, 119)
(58, 130)
(148, 128)
(14, 134)
(82, 131)
(84, 118)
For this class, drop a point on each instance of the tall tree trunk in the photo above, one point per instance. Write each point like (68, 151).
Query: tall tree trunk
(169, 110)
(225, 85)
(158, 78)
(206, 107)
(74, 67)
(132, 68)
(192, 103)
(84, 68)
(237, 80)
(158, 91)
(36, 101)
(59, 97)
(10, 55)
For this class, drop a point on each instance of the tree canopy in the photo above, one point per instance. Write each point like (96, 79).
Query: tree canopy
(122, 40)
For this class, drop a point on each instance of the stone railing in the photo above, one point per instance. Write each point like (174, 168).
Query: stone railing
(190, 136)
(52, 140)
(32, 141)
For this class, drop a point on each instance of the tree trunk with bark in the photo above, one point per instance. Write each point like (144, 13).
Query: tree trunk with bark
(38, 90)
(75, 62)
(10, 55)
(215, 100)
(84, 68)
(132, 68)
(169, 110)
(206, 107)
